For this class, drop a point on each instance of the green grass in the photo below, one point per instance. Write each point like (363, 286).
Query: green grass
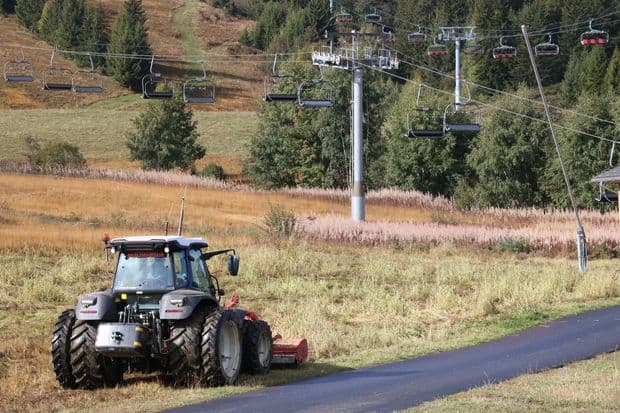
(99, 130)
(586, 386)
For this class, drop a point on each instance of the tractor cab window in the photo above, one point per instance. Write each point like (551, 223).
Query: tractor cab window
(180, 269)
(200, 273)
(143, 271)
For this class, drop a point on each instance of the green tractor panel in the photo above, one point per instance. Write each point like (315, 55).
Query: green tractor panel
(162, 314)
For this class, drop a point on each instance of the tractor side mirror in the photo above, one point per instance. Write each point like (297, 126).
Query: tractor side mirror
(233, 264)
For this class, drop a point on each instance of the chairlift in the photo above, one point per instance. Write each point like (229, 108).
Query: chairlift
(437, 50)
(373, 17)
(453, 126)
(199, 90)
(594, 36)
(424, 133)
(273, 82)
(418, 106)
(57, 77)
(344, 17)
(18, 70)
(547, 48)
(87, 80)
(504, 51)
(156, 86)
(416, 37)
(309, 101)
(605, 195)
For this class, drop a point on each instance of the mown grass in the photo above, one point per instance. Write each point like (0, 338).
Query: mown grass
(100, 132)
(587, 386)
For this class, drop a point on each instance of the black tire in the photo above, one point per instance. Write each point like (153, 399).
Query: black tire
(61, 357)
(90, 369)
(184, 363)
(221, 366)
(257, 347)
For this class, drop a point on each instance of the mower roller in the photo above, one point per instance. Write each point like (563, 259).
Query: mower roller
(162, 314)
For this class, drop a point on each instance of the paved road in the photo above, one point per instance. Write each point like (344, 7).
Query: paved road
(407, 383)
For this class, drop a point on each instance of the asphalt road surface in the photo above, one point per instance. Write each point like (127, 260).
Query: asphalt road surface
(403, 384)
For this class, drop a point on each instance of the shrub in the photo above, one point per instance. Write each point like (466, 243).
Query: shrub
(213, 170)
(54, 154)
(512, 245)
(280, 222)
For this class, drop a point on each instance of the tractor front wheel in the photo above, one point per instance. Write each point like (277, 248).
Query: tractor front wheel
(221, 348)
(257, 347)
(90, 369)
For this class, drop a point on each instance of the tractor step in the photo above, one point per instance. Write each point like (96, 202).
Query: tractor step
(292, 351)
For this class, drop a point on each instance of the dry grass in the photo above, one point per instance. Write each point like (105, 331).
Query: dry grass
(587, 386)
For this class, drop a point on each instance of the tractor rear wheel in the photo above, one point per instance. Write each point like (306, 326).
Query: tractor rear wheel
(90, 369)
(184, 349)
(221, 348)
(61, 357)
(257, 347)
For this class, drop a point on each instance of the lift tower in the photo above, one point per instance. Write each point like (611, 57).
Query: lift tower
(457, 34)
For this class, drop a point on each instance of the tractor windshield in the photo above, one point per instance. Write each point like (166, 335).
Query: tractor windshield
(144, 271)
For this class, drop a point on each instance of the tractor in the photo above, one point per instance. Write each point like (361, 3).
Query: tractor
(163, 314)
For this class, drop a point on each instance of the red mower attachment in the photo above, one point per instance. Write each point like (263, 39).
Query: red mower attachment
(292, 352)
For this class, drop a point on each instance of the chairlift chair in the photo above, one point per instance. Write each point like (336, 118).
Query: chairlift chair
(451, 126)
(416, 37)
(18, 70)
(156, 86)
(418, 106)
(504, 51)
(87, 80)
(273, 82)
(437, 50)
(344, 17)
(547, 48)
(309, 101)
(199, 90)
(424, 133)
(57, 77)
(594, 36)
(373, 17)
(605, 195)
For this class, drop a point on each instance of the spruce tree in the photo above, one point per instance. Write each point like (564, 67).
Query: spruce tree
(594, 69)
(94, 34)
(129, 36)
(69, 33)
(165, 137)
(50, 21)
(612, 77)
(28, 13)
(7, 6)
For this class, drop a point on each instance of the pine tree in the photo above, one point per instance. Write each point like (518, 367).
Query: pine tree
(165, 137)
(50, 21)
(69, 33)
(28, 13)
(94, 34)
(612, 77)
(573, 79)
(129, 36)
(594, 69)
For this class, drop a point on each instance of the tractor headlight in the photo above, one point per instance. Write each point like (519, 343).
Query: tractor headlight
(177, 301)
(87, 302)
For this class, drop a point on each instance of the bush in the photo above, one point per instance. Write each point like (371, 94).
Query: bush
(280, 222)
(512, 245)
(213, 170)
(55, 154)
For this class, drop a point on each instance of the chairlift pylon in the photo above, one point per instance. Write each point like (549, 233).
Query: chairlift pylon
(547, 48)
(273, 82)
(373, 17)
(504, 51)
(18, 70)
(594, 36)
(416, 37)
(437, 49)
(451, 126)
(87, 80)
(156, 86)
(199, 90)
(57, 77)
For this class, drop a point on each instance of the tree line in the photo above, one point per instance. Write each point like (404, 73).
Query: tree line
(511, 162)
(77, 26)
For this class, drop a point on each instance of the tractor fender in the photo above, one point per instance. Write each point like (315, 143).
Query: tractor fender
(180, 304)
(99, 306)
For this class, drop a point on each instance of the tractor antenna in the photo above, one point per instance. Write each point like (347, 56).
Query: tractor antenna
(181, 215)
(167, 221)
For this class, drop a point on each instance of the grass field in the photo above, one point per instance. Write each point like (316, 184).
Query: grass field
(587, 386)
(357, 305)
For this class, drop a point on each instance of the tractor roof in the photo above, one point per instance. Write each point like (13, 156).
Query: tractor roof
(181, 242)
